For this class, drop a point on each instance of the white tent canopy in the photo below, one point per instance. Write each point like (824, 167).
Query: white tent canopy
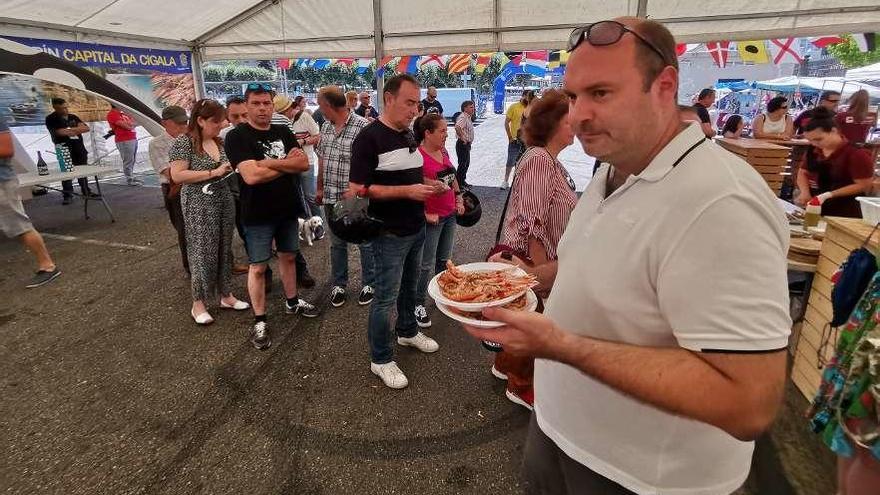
(866, 73)
(266, 29)
(792, 83)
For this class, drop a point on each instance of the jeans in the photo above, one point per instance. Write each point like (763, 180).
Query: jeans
(175, 214)
(439, 239)
(309, 185)
(463, 153)
(128, 151)
(397, 278)
(258, 239)
(339, 260)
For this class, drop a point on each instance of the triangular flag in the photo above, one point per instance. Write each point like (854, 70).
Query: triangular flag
(284, 63)
(380, 67)
(785, 50)
(535, 62)
(348, 62)
(753, 51)
(303, 62)
(823, 41)
(719, 50)
(458, 63)
(680, 49)
(321, 63)
(865, 41)
(433, 61)
(483, 60)
(408, 64)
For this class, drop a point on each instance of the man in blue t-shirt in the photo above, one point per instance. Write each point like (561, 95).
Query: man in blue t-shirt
(14, 222)
(386, 167)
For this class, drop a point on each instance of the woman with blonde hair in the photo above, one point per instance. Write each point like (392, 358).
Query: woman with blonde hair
(200, 164)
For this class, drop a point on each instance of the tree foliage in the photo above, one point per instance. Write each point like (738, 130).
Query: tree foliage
(849, 55)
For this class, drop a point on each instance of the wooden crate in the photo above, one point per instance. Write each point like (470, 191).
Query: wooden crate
(841, 237)
(770, 160)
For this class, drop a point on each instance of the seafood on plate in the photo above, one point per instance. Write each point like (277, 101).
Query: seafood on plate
(482, 285)
(517, 304)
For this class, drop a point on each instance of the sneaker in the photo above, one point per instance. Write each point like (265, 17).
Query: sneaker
(390, 374)
(260, 336)
(525, 399)
(43, 277)
(421, 342)
(422, 318)
(337, 296)
(497, 374)
(366, 296)
(302, 308)
(304, 280)
(491, 346)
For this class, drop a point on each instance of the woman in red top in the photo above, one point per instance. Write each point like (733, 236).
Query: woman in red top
(440, 210)
(542, 198)
(855, 122)
(834, 171)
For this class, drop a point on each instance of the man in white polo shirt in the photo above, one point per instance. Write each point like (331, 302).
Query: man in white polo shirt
(662, 348)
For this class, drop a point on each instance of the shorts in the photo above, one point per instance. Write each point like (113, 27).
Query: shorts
(258, 239)
(13, 220)
(515, 149)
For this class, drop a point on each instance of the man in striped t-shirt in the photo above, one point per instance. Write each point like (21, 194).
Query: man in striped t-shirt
(386, 167)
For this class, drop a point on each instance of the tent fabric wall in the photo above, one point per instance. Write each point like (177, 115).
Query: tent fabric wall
(335, 28)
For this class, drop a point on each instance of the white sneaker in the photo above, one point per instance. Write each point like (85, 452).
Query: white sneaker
(421, 342)
(497, 374)
(390, 375)
(503, 184)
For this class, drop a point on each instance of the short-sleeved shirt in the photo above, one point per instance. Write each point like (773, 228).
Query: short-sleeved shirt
(444, 204)
(702, 113)
(466, 126)
(654, 267)
(853, 130)
(514, 113)
(335, 150)
(6, 171)
(268, 202)
(362, 111)
(801, 121)
(160, 151)
(303, 127)
(541, 201)
(438, 108)
(841, 169)
(54, 122)
(121, 134)
(388, 157)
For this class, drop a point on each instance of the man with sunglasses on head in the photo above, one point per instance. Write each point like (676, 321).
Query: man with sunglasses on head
(386, 167)
(829, 99)
(657, 364)
(269, 160)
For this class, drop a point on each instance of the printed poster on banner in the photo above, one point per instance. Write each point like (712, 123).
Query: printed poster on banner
(158, 78)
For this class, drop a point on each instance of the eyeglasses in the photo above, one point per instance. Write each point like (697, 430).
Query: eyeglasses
(604, 33)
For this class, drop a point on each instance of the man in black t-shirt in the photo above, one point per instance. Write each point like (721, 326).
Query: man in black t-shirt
(269, 160)
(704, 101)
(386, 167)
(431, 103)
(366, 109)
(67, 129)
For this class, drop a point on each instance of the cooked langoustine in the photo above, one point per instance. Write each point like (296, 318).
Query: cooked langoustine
(483, 285)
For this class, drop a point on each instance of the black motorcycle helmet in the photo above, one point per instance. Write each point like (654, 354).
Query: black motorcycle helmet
(472, 210)
(351, 221)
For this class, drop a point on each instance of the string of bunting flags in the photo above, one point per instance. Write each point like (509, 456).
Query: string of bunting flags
(542, 62)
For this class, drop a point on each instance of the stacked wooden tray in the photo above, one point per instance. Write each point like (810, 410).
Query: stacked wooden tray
(770, 160)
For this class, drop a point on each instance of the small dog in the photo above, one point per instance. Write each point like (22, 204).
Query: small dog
(310, 229)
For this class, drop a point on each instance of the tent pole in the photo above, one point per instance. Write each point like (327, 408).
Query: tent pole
(198, 76)
(379, 48)
(642, 9)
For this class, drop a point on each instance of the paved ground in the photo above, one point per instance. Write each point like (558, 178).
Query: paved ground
(107, 387)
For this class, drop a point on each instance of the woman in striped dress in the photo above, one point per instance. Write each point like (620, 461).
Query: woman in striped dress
(542, 198)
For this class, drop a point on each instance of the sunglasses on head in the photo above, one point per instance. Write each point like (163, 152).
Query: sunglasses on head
(604, 33)
(257, 86)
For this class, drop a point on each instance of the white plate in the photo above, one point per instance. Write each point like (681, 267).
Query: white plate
(531, 305)
(436, 294)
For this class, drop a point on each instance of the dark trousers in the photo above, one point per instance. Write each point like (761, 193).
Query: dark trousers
(175, 214)
(67, 186)
(549, 471)
(463, 153)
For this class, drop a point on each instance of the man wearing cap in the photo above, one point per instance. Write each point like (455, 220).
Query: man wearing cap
(174, 121)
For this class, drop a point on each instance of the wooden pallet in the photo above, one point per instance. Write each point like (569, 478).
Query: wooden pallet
(769, 160)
